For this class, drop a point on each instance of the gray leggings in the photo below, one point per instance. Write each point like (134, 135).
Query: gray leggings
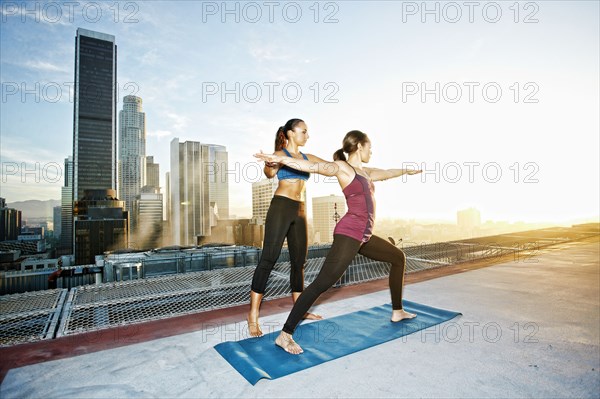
(342, 252)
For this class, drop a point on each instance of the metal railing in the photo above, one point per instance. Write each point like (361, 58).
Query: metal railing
(138, 298)
(91, 308)
(30, 317)
(14, 282)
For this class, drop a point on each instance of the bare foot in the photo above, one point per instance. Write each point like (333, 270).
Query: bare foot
(253, 326)
(401, 314)
(287, 343)
(312, 316)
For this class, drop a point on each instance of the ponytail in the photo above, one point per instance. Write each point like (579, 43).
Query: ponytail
(280, 139)
(281, 135)
(339, 155)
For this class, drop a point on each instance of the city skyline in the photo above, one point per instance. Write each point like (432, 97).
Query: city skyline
(401, 87)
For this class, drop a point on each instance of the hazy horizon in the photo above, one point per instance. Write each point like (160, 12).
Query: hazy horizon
(384, 219)
(498, 102)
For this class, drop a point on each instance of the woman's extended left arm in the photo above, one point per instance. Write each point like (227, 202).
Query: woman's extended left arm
(385, 174)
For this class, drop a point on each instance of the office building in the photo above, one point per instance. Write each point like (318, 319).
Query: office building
(66, 210)
(218, 180)
(149, 209)
(10, 222)
(152, 173)
(327, 211)
(56, 225)
(167, 230)
(262, 193)
(100, 224)
(132, 154)
(95, 113)
(199, 190)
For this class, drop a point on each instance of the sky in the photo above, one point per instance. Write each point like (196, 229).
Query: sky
(498, 102)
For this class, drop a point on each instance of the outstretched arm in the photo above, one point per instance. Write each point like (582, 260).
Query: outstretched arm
(270, 169)
(322, 168)
(384, 174)
(314, 158)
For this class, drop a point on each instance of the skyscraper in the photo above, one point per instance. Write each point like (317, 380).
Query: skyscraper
(132, 153)
(262, 193)
(167, 227)
(199, 190)
(56, 217)
(66, 205)
(149, 208)
(218, 180)
(152, 173)
(100, 224)
(327, 211)
(95, 111)
(10, 222)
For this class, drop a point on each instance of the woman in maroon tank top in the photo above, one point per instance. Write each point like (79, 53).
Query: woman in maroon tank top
(353, 233)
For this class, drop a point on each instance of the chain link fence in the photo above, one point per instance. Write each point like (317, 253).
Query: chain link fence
(40, 315)
(30, 317)
(108, 305)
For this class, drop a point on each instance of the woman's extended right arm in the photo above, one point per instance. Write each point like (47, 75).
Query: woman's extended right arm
(270, 169)
(322, 168)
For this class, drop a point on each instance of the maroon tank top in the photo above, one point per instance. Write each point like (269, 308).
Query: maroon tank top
(358, 222)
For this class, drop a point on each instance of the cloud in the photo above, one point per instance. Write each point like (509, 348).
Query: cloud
(179, 82)
(150, 57)
(268, 53)
(24, 151)
(44, 66)
(475, 48)
(276, 62)
(179, 121)
(159, 133)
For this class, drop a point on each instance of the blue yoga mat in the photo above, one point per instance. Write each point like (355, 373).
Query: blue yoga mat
(325, 340)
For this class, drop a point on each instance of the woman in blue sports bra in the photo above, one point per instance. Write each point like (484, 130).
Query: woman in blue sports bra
(353, 233)
(286, 218)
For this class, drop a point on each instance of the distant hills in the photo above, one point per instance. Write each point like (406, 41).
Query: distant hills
(35, 209)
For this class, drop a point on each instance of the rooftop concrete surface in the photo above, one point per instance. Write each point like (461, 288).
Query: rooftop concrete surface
(530, 328)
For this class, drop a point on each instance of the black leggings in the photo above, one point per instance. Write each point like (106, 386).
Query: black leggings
(285, 218)
(342, 252)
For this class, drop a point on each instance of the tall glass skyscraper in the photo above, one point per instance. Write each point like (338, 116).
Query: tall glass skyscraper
(95, 113)
(132, 153)
(66, 205)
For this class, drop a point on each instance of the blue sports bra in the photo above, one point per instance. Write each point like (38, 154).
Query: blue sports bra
(285, 172)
